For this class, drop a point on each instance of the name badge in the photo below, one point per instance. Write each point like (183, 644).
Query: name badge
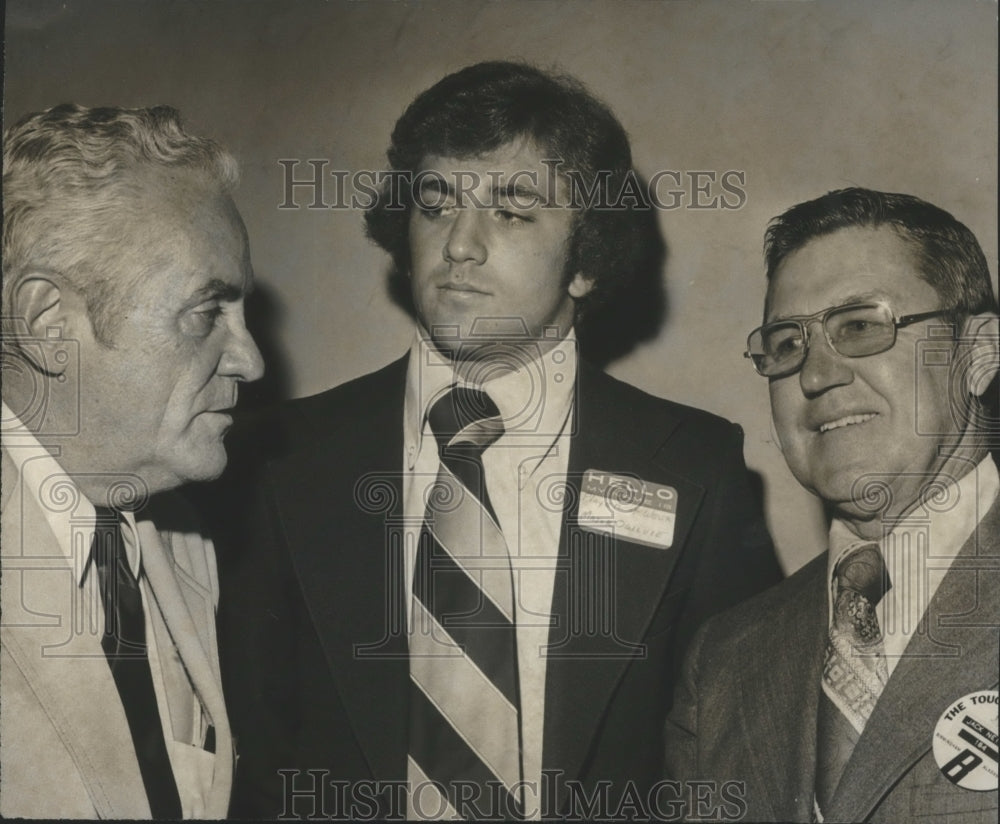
(628, 508)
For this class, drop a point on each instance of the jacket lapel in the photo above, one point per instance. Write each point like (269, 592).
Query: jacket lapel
(584, 666)
(49, 634)
(344, 531)
(188, 610)
(956, 655)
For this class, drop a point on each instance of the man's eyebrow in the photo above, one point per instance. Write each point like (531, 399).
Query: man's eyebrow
(518, 191)
(436, 182)
(220, 290)
(859, 297)
(862, 297)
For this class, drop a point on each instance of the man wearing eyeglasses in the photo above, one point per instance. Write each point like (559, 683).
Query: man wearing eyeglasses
(864, 687)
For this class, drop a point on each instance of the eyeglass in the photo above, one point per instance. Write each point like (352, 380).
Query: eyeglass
(854, 330)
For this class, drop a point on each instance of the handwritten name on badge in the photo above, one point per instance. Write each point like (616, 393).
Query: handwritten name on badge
(629, 508)
(966, 741)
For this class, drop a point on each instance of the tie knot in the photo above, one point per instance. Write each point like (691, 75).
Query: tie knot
(862, 570)
(465, 416)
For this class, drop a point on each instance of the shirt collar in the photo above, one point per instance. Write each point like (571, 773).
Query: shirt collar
(534, 399)
(70, 515)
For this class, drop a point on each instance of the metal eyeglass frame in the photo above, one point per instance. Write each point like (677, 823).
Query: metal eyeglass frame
(805, 321)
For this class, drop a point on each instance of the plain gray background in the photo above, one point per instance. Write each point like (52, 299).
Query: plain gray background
(802, 97)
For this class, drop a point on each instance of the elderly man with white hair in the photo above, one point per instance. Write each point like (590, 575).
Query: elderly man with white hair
(125, 267)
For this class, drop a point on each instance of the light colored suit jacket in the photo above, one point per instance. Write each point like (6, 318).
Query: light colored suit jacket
(65, 746)
(746, 709)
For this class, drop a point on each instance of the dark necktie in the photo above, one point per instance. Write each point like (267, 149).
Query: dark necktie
(124, 644)
(464, 699)
(854, 671)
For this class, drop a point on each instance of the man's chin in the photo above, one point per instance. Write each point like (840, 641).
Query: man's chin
(207, 464)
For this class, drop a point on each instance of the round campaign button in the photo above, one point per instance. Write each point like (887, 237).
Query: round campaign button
(966, 741)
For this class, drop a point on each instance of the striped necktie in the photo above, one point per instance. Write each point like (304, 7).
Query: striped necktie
(854, 670)
(464, 749)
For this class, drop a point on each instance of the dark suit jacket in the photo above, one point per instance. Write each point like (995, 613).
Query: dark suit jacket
(313, 614)
(746, 707)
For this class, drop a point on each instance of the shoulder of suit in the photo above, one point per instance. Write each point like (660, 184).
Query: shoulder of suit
(317, 409)
(599, 384)
(263, 435)
(800, 592)
(314, 414)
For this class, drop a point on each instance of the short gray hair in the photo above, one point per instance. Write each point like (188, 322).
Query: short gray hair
(69, 171)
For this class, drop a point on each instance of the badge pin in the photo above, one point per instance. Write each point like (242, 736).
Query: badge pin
(628, 507)
(966, 741)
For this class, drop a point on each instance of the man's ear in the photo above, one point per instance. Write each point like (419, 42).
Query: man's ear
(982, 333)
(580, 286)
(38, 300)
(40, 310)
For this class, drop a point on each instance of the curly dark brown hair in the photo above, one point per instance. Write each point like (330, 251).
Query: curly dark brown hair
(488, 105)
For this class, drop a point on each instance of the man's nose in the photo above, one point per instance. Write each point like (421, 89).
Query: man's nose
(466, 241)
(241, 358)
(823, 367)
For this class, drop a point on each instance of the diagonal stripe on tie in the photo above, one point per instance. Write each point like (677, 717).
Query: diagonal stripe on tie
(464, 704)
(427, 801)
(477, 695)
(477, 712)
(471, 621)
(451, 756)
(486, 562)
(462, 464)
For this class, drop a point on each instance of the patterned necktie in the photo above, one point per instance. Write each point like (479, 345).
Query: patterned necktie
(854, 672)
(464, 702)
(124, 645)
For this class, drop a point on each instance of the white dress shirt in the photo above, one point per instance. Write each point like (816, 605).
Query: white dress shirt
(526, 475)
